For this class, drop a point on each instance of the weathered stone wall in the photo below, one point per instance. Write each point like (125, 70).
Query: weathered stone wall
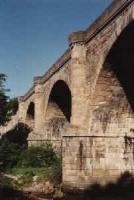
(98, 159)
(104, 149)
(108, 152)
(112, 114)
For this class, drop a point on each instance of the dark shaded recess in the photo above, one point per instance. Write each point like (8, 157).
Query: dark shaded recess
(18, 135)
(11, 194)
(123, 189)
(121, 59)
(81, 154)
(31, 111)
(61, 95)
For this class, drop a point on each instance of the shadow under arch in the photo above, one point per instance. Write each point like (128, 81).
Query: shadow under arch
(121, 60)
(30, 115)
(61, 96)
(17, 135)
(113, 100)
(58, 112)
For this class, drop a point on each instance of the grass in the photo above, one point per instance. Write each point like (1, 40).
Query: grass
(38, 163)
(27, 172)
(27, 175)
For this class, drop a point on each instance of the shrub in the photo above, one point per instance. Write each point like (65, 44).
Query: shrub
(40, 161)
(13, 155)
(9, 155)
(40, 156)
(28, 173)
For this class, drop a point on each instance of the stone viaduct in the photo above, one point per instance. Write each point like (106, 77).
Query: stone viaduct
(85, 101)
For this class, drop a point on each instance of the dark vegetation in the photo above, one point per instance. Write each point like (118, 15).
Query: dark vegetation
(15, 156)
(19, 160)
(8, 106)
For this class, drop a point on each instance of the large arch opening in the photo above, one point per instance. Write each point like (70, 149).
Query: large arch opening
(121, 60)
(30, 114)
(113, 101)
(58, 113)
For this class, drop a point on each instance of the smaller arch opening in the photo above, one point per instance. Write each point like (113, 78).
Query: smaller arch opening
(60, 97)
(30, 114)
(58, 113)
(30, 111)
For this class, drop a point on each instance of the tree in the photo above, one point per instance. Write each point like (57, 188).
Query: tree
(13, 106)
(4, 100)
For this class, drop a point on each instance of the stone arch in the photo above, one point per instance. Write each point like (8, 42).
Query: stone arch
(30, 114)
(58, 112)
(111, 35)
(120, 58)
(113, 99)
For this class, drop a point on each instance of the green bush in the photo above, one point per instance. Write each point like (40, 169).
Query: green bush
(40, 161)
(13, 155)
(28, 173)
(9, 155)
(40, 156)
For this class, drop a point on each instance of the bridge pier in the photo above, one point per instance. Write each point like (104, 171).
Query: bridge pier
(78, 82)
(39, 108)
(89, 160)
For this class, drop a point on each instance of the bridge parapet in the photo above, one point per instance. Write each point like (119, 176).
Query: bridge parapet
(27, 95)
(51, 71)
(100, 23)
(54, 68)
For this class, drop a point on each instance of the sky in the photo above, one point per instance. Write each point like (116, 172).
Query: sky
(34, 34)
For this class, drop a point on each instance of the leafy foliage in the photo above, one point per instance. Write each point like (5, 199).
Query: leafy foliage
(9, 155)
(18, 135)
(39, 156)
(13, 106)
(4, 114)
(8, 107)
(14, 155)
(27, 173)
(40, 161)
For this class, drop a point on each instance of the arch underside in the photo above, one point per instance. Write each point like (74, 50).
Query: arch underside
(113, 101)
(112, 112)
(58, 111)
(30, 116)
